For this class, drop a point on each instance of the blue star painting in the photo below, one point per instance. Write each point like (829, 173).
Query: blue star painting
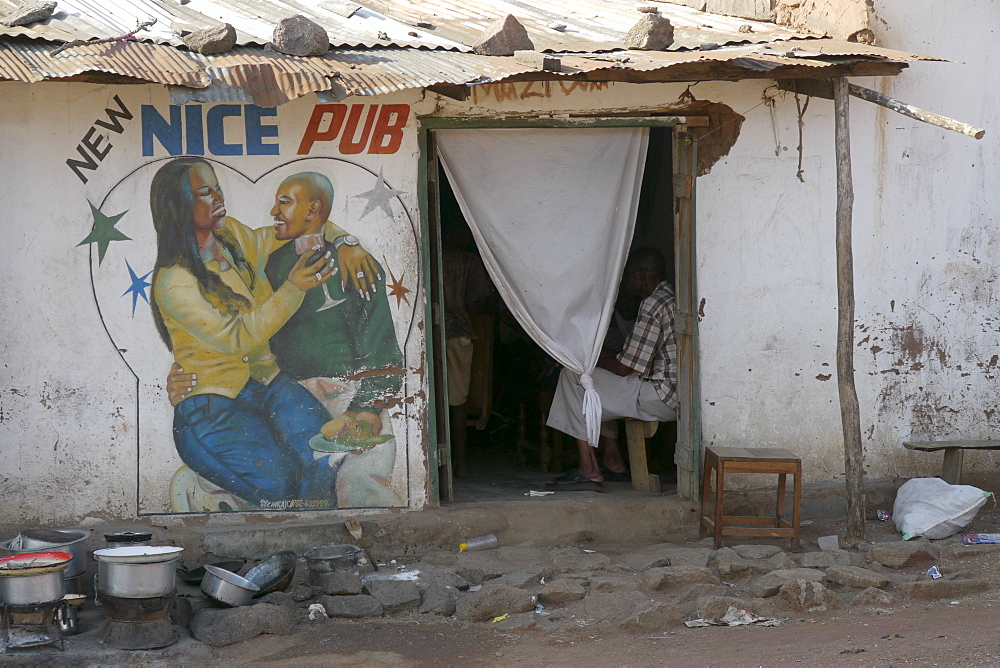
(137, 288)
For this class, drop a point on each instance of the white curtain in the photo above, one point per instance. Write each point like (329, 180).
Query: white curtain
(552, 212)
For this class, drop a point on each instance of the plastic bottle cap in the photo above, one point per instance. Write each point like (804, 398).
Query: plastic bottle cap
(463, 547)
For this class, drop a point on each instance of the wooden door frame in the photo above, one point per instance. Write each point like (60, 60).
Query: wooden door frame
(685, 157)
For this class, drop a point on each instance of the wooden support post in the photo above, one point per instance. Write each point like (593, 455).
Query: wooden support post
(849, 414)
(824, 88)
(901, 107)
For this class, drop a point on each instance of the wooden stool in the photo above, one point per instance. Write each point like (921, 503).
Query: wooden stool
(750, 460)
(636, 433)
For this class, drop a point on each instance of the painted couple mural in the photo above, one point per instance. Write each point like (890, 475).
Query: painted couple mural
(285, 354)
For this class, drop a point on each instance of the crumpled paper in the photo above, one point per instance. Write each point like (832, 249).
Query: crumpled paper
(736, 617)
(317, 611)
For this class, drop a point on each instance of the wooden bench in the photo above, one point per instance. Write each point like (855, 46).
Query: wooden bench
(750, 460)
(954, 454)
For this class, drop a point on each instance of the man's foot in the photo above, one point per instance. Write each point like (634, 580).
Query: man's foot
(615, 476)
(574, 481)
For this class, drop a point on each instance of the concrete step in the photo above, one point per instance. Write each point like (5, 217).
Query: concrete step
(581, 518)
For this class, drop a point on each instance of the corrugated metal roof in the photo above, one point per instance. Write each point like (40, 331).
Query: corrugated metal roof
(361, 63)
(254, 21)
(270, 78)
(590, 25)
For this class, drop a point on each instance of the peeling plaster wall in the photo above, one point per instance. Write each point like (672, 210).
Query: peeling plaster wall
(926, 246)
(929, 335)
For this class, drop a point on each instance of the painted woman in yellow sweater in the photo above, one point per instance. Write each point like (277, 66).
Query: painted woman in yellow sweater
(245, 427)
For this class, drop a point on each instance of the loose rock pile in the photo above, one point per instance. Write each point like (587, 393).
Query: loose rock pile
(526, 587)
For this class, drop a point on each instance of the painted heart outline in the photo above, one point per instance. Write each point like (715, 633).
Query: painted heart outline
(390, 236)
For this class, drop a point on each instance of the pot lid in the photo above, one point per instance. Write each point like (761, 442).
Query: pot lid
(138, 554)
(34, 563)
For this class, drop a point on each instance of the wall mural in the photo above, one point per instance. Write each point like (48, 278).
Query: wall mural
(267, 313)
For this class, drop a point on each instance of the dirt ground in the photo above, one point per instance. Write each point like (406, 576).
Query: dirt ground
(942, 633)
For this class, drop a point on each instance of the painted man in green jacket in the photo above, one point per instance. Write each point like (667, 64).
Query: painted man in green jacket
(337, 332)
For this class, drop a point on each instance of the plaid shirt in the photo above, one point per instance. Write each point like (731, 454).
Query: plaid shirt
(651, 349)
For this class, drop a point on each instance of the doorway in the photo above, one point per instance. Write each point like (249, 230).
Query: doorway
(495, 445)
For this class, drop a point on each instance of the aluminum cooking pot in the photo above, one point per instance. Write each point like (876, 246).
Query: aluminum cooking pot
(51, 540)
(29, 579)
(226, 587)
(137, 572)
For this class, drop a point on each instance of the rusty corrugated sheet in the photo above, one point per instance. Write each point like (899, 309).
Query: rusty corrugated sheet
(271, 78)
(148, 62)
(268, 78)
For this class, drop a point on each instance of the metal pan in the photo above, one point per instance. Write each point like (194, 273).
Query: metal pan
(275, 573)
(227, 587)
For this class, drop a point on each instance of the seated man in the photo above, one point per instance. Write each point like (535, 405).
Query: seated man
(640, 382)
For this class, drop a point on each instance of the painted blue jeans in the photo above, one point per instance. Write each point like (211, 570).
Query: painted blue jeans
(256, 446)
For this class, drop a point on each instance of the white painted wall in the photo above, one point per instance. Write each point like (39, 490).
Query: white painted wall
(72, 414)
(925, 245)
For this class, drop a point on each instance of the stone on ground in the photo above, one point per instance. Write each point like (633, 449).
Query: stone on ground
(299, 36)
(30, 12)
(303, 593)
(575, 559)
(768, 585)
(733, 570)
(932, 590)
(616, 606)
(874, 598)
(661, 578)
(901, 554)
(522, 579)
(525, 621)
(438, 599)
(652, 32)
(561, 592)
(653, 618)
(756, 551)
(281, 598)
(694, 592)
(394, 595)
(218, 627)
(207, 41)
(714, 607)
(185, 606)
(503, 37)
(826, 559)
(340, 584)
(492, 601)
(859, 578)
(360, 605)
(667, 555)
(808, 596)
(612, 582)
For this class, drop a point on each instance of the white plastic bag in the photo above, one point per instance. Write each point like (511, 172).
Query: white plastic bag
(932, 508)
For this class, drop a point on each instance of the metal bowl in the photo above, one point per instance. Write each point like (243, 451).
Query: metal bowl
(196, 575)
(275, 573)
(227, 587)
(333, 558)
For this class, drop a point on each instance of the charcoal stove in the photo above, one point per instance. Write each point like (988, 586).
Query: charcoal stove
(32, 625)
(137, 623)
